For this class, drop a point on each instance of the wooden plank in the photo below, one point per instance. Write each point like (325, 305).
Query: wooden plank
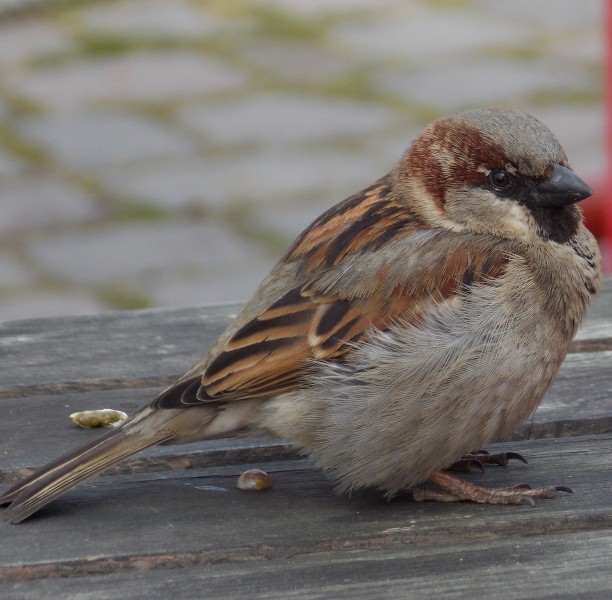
(578, 403)
(131, 348)
(151, 347)
(549, 566)
(34, 430)
(156, 520)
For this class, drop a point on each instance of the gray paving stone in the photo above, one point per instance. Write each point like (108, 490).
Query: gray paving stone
(13, 274)
(40, 303)
(151, 18)
(298, 62)
(325, 8)
(145, 77)
(554, 14)
(284, 118)
(586, 46)
(389, 146)
(168, 184)
(31, 203)
(482, 81)
(25, 40)
(287, 221)
(136, 253)
(9, 165)
(86, 139)
(416, 33)
(255, 177)
(235, 282)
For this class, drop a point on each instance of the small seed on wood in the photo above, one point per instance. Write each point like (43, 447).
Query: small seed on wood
(254, 480)
(105, 417)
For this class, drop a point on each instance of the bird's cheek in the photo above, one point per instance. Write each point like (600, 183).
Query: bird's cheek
(480, 211)
(467, 206)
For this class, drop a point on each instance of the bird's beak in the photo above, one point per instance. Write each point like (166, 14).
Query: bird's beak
(563, 187)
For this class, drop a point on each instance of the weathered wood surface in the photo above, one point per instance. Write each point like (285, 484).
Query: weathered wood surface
(171, 522)
(512, 568)
(139, 528)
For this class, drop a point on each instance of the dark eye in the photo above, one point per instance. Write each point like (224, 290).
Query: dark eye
(501, 180)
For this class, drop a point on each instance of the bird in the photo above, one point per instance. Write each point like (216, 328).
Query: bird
(407, 327)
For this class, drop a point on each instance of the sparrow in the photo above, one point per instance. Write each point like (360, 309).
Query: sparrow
(405, 328)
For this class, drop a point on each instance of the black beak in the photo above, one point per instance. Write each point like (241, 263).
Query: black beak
(563, 187)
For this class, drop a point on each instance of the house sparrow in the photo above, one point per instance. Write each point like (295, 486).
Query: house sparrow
(407, 326)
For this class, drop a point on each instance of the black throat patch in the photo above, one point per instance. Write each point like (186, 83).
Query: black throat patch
(557, 224)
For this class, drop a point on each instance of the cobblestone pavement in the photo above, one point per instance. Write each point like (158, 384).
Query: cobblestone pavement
(157, 153)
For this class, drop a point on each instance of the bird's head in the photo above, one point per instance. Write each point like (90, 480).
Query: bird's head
(495, 171)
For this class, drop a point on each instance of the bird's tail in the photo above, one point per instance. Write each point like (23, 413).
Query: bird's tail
(54, 479)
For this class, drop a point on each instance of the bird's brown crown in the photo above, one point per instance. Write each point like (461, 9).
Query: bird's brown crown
(458, 151)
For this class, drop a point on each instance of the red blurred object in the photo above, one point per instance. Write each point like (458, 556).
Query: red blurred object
(598, 209)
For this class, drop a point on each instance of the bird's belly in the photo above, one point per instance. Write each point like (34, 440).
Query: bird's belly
(410, 402)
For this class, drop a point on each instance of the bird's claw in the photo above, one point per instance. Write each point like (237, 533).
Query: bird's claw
(482, 457)
(501, 459)
(453, 489)
(466, 464)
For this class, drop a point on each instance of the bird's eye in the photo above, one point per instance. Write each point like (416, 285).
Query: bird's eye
(501, 180)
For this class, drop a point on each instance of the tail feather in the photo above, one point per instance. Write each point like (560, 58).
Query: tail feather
(54, 479)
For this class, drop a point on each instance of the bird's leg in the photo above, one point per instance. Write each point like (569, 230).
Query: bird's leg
(454, 489)
(480, 458)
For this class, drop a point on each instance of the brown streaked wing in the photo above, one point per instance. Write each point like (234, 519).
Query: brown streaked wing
(269, 355)
(263, 358)
(362, 222)
(337, 217)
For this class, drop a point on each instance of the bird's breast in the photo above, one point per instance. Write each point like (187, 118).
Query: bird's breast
(414, 399)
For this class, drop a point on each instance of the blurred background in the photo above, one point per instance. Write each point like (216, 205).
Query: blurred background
(157, 153)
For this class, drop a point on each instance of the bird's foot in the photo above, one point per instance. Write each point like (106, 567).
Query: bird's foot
(454, 489)
(482, 457)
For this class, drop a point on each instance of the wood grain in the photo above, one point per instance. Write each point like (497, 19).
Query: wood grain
(540, 566)
(199, 517)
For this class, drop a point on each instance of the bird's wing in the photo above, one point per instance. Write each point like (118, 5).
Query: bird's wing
(365, 264)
